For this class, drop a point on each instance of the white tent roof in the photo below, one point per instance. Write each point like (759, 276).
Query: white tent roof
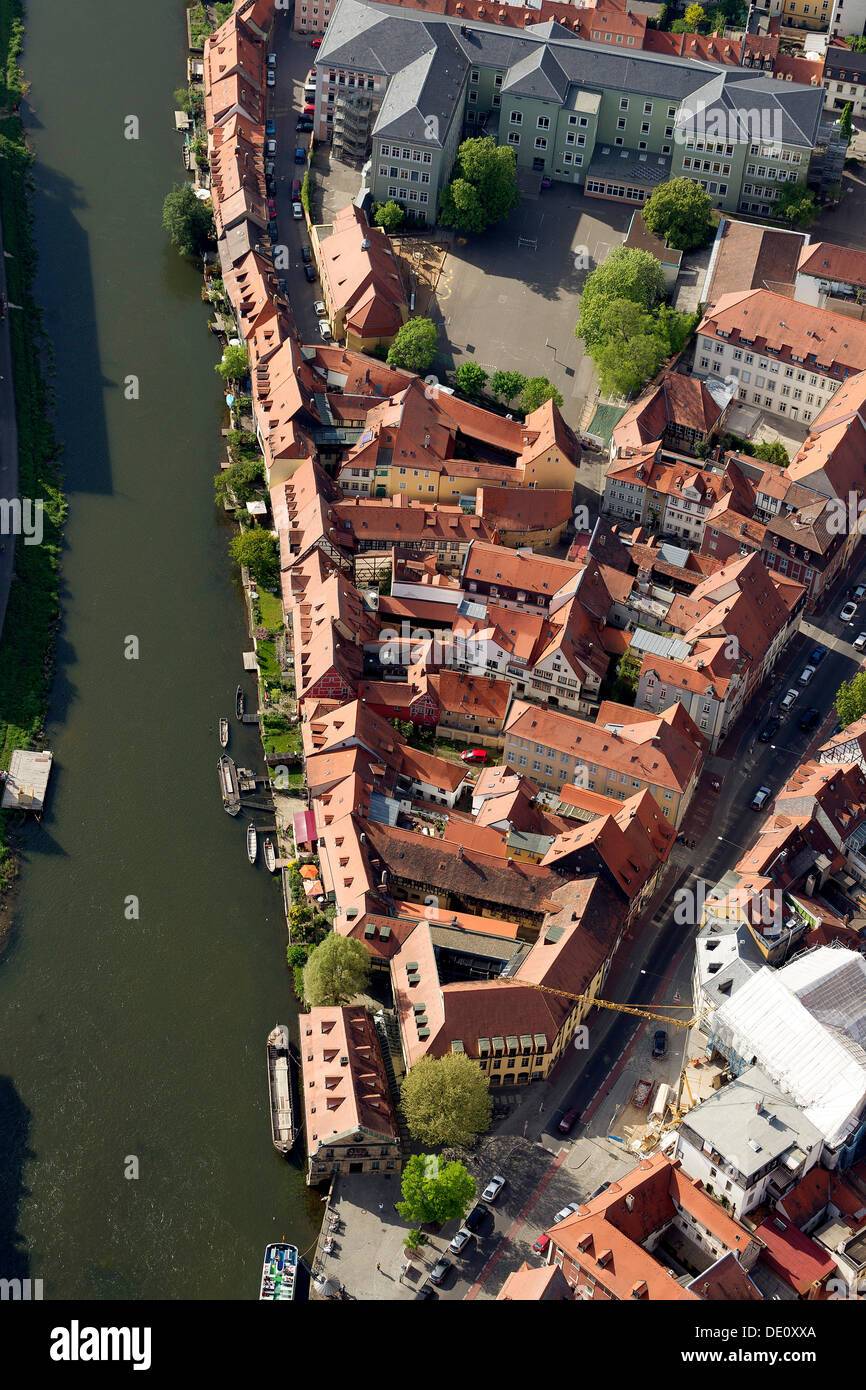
(805, 1025)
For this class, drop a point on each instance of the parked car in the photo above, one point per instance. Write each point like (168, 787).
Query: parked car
(476, 1218)
(761, 795)
(859, 592)
(320, 309)
(788, 699)
(440, 1270)
(271, 78)
(309, 108)
(425, 1290)
(806, 674)
(306, 255)
(860, 642)
(296, 189)
(310, 272)
(310, 80)
(272, 207)
(817, 655)
(540, 1245)
(493, 1188)
(270, 147)
(772, 724)
(598, 1191)
(297, 211)
(567, 1121)
(270, 127)
(660, 1042)
(848, 612)
(272, 60)
(325, 330)
(300, 154)
(473, 755)
(460, 1241)
(303, 123)
(315, 43)
(272, 230)
(809, 718)
(566, 1211)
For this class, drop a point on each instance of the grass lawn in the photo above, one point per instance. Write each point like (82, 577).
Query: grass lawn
(268, 665)
(271, 610)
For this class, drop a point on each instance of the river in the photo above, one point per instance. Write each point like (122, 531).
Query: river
(141, 1039)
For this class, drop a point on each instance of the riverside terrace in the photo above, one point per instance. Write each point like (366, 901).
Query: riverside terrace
(410, 87)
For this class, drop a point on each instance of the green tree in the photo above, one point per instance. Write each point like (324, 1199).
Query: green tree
(846, 128)
(856, 42)
(631, 349)
(695, 16)
(851, 699)
(258, 550)
(507, 385)
(680, 212)
(796, 206)
(446, 1100)
(471, 378)
(536, 391)
(187, 219)
(235, 364)
(415, 1241)
(242, 480)
(337, 970)
(773, 451)
(626, 274)
(483, 188)
(674, 328)
(435, 1191)
(390, 215)
(414, 346)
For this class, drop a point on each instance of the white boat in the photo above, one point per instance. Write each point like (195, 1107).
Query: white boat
(278, 1272)
(283, 1132)
(252, 843)
(224, 733)
(270, 855)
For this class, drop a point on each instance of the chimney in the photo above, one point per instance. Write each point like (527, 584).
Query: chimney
(459, 851)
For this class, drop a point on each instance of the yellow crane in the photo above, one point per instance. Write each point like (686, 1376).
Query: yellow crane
(608, 1004)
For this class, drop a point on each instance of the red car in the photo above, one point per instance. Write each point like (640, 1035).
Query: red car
(540, 1245)
(315, 43)
(272, 207)
(309, 109)
(474, 755)
(568, 1120)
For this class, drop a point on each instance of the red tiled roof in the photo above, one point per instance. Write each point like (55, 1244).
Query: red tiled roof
(800, 1262)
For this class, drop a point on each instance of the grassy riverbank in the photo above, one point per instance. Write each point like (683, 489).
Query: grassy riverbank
(27, 642)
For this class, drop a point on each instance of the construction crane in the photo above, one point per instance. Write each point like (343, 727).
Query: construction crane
(607, 1004)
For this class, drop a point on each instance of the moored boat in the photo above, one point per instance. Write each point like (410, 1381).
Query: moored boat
(228, 775)
(240, 702)
(279, 1272)
(224, 733)
(280, 1090)
(270, 855)
(252, 843)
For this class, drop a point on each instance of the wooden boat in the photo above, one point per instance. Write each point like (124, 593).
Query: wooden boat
(252, 843)
(270, 855)
(240, 702)
(283, 1133)
(278, 1272)
(224, 733)
(228, 775)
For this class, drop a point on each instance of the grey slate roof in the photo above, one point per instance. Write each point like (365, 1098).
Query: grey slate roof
(637, 167)
(387, 40)
(730, 1121)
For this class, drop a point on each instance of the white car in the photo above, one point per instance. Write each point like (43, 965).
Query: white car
(493, 1188)
(848, 612)
(860, 642)
(271, 147)
(806, 675)
(325, 330)
(460, 1241)
(272, 60)
(320, 309)
(566, 1211)
(297, 211)
(788, 699)
(272, 78)
(761, 795)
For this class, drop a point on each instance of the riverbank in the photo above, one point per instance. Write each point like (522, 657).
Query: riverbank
(30, 625)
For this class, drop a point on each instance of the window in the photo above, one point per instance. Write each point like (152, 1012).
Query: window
(620, 125)
(540, 142)
(644, 130)
(513, 137)
(516, 118)
(623, 104)
(543, 123)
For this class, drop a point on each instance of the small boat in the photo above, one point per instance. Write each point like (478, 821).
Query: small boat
(270, 855)
(278, 1272)
(283, 1132)
(240, 702)
(224, 733)
(252, 843)
(228, 775)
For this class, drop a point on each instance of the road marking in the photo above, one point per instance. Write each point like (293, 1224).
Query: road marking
(519, 1220)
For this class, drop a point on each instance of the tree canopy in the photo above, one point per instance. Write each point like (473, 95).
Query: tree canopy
(235, 364)
(336, 971)
(435, 1191)
(414, 346)
(536, 391)
(471, 378)
(507, 385)
(446, 1100)
(258, 550)
(632, 350)
(680, 212)
(851, 699)
(483, 188)
(796, 206)
(772, 451)
(187, 219)
(390, 215)
(626, 274)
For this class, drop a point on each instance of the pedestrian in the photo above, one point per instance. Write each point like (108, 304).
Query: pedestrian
(378, 1267)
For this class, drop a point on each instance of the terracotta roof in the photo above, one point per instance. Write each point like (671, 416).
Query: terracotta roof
(523, 509)
(676, 400)
(632, 843)
(726, 1280)
(359, 268)
(480, 696)
(752, 257)
(844, 264)
(436, 772)
(809, 1198)
(833, 451)
(402, 521)
(799, 1261)
(534, 574)
(339, 1099)
(765, 322)
(535, 1285)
